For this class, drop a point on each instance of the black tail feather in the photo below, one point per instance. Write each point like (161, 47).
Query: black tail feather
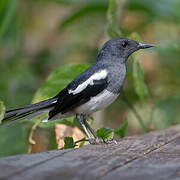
(27, 112)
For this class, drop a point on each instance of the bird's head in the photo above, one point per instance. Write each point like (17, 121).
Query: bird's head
(122, 48)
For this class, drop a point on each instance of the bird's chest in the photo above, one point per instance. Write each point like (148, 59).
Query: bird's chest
(98, 102)
(116, 78)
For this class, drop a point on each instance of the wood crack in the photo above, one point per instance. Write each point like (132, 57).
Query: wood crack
(129, 160)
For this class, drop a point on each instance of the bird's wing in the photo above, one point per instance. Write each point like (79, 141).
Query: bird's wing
(73, 96)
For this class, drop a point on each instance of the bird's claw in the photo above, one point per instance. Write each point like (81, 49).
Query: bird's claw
(110, 141)
(96, 141)
(102, 141)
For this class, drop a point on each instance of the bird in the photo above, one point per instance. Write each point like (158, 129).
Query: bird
(91, 91)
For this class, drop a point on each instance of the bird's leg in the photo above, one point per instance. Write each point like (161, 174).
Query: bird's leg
(80, 118)
(84, 124)
(89, 127)
(97, 140)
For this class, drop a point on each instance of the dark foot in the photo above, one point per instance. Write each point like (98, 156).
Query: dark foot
(110, 141)
(96, 141)
(101, 141)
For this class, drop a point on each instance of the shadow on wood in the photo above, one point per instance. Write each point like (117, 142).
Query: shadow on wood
(154, 155)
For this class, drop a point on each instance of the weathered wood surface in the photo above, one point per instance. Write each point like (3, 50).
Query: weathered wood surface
(151, 156)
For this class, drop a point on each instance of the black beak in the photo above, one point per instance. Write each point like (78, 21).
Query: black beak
(144, 46)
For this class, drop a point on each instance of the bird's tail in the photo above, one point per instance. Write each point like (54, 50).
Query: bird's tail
(29, 111)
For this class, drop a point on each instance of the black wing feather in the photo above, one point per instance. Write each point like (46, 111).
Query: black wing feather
(67, 102)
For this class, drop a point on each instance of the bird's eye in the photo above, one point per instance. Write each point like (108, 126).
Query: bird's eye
(124, 44)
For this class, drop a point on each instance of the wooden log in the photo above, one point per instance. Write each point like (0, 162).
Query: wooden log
(154, 155)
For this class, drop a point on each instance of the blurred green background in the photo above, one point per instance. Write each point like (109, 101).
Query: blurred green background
(37, 37)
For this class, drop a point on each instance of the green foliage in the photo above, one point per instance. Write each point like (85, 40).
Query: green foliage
(135, 36)
(161, 9)
(14, 139)
(9, 7)
(105, 133)
(81, 13)
(139, 83)
(69, 143)
(2, 5)
(58, 80)
(138, 74)
(122, 130)
(113, 29)
(2, 111)
(80, 2)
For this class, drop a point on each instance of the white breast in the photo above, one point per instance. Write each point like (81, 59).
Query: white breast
(98, 102)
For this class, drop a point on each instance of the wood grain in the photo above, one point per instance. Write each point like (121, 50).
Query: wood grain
(154, 155)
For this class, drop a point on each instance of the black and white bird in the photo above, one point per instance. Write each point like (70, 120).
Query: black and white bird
(91, 91)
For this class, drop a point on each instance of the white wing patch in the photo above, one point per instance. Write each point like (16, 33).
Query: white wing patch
(55, 101)
(97, 76)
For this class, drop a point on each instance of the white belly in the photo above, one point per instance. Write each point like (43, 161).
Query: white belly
(98, 102)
